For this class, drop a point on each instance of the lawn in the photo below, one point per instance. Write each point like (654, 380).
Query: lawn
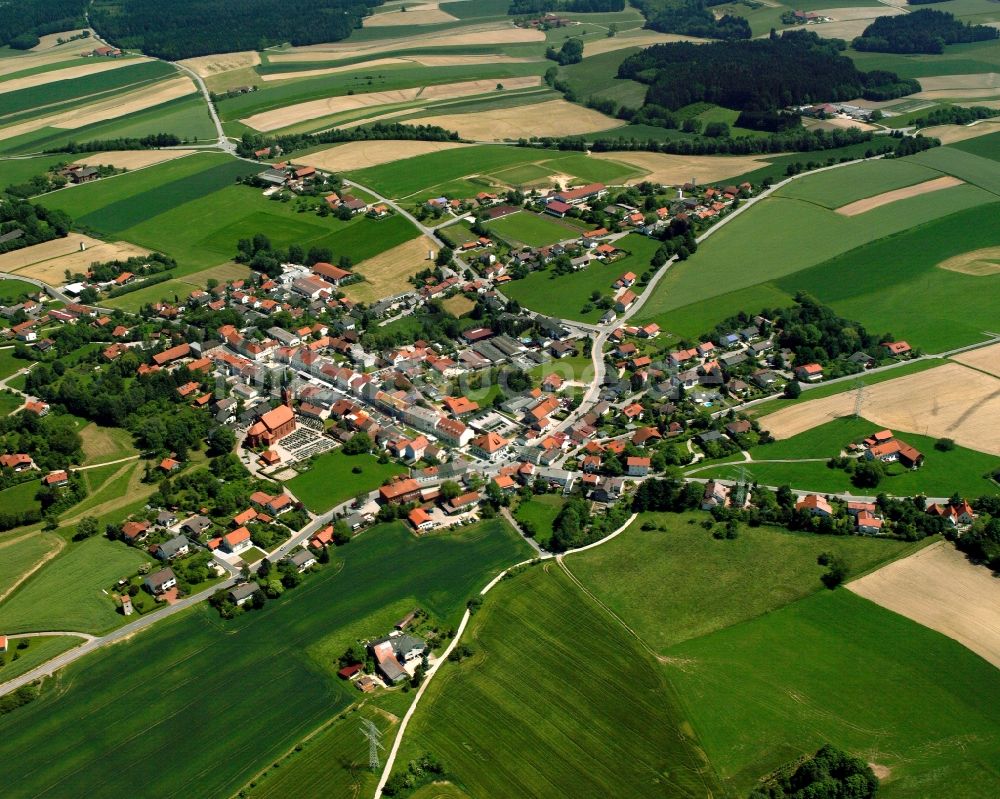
(678, 583)
(541, 511)
(38, 652)
(835, 668)
(69, 592)
(871, 283)
(535, 230)
(579, 368)
(779, 237)
(564, 296)
(268, 676)
(9, 364)
(558, 700)
(21, 496)
(12, 289)
(944, 473)
(20, 555)
(332, 480)
(838, 187)
(9, 402)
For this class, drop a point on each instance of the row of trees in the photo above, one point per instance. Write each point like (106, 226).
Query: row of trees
(377, 131)
(923, 31)
(150, 142)
(30, 224)
(764, 74)
(535, 8)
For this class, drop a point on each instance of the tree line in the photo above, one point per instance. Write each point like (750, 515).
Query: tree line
(186, 28)
(251, 143)
(923, 31)
(23, 224)
(535, 8)
(150, 142)
(764, 74)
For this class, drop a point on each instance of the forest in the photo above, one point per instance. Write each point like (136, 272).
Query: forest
(21, 23)
(534, 8)
(23, 224)
(187, 28)
(692, 18)
(764, 74)
(923, 31)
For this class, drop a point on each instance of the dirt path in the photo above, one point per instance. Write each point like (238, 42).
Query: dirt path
(60, 544)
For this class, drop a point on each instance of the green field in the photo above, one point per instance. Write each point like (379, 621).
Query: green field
(541, 511)
(9, 364)
(9, 402)
(337, 755)
(596, 77)
(39, 650)
(961, 470)
(837, 187)
(21, 496)
(557, 701)
(984, 146)
(974, 169)
(958, 59)
(779, 237)
(331, 480)
(69, 592)
(565, 295)
(535, 230)
(869, 284)
(438, 170)
(680, 583)
(835, 668)
(54, 96)
(269, 675)
(19, 555)
(21, 170)
(191, 209)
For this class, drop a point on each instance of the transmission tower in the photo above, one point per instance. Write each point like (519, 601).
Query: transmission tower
(859, 397)
(742, 487)
(371, 732)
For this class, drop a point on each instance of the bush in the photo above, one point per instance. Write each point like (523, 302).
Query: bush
(944, 445)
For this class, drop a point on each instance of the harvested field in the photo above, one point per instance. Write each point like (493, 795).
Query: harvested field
(362, 154)
(979, 80)
(950, 401)
(985, 359)
(850, 22)
(487, 33)
(51, 40)
(836, 123)
(939, 588)
(423, 14)
(209, 65)
(387, 115)
(674, 169)
(978, 263)
(22, 63)
(79, 71)
(313, 109)
(637, 38)
(131, 159)
(49, 261)
(112, 108)
(551, 118)
(870, 203)
(949, 134)
(386, 274)
(422, 60)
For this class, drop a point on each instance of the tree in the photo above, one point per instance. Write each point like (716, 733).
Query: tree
(449, 490)
(221, 441)
(793, 390)
(359, 443)
(85, 528)
(445, 256)
(868, 474)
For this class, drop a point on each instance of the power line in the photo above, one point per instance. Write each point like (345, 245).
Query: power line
(374, 737)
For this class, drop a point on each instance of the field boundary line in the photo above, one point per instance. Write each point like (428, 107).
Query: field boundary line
(60, 546)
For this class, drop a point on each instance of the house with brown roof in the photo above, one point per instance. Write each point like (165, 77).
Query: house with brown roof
(814, 504)
(489, 446)
(18, 462)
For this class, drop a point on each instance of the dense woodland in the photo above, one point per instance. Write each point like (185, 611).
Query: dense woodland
(22, 22)
(794, 68)
(829, 774)
(534, 8)
(692, 18)
(23, 224)
(923, 31)
(186, 28)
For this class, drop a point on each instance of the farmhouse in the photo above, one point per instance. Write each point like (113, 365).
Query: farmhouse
(885, 447)
(19, 462)
(394, 650)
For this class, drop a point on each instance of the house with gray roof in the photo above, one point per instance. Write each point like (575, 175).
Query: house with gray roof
(241, 594)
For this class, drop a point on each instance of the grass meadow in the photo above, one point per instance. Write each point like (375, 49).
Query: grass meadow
(565, 296)
(38, 651)
(535, 230)
(9, 402)
(21, 496)
(838, 187)
(835, 668)
(960, 470)
(11, 289)
(558, 700)
(68, 592)
(968, 166)
(195, 679)
(19, 555)
(679, 583)
(332, 480)
(541, 511)
(984, 146)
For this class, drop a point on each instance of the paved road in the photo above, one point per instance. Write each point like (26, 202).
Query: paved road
(223, 143)
(97, 642)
